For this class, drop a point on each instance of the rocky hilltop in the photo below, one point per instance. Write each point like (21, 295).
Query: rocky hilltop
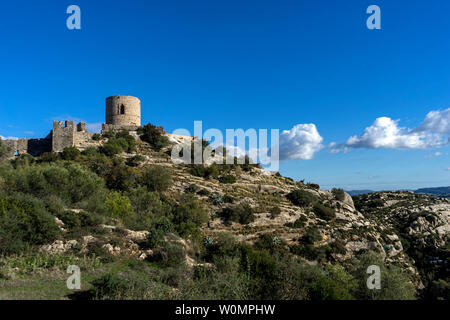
(191, 231)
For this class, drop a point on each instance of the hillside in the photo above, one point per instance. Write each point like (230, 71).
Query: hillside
(142, 227)
(438, 191)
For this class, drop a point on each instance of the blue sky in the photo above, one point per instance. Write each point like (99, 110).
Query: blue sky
(242, 64)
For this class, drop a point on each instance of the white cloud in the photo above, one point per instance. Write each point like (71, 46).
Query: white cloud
(8, 138)
(434, 155)
(386, 133)
(436, 121)
(300, 142)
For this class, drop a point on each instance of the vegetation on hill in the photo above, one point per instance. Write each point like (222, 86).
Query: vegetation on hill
(141, 227)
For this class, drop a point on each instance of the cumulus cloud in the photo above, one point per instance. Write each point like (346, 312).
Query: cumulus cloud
(8, 138)
(386, 133)
(300, 143)
(436, 121)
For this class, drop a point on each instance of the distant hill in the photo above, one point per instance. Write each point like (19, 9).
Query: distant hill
(438, 191)
(358, 192)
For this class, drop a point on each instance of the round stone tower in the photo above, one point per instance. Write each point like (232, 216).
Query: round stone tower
(123, 111)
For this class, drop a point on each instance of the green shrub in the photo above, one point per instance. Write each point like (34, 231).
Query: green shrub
(118, 205)
(339, 194)
(395, 284)
(299, 223)
(202, 171)
(23, 160)
(127, 141)
(68, 181)
(192, 188)
(24, 222)
(4, 150)
(157, 178)
(188, 216)
(241, 213)
(49, 157)
(311, 236)
(70, 153)
(136, 160)
(203, 192)
(274, 212)
(156, 234)
(154, 136)
(324, 212)
(112, 147)
(96, 137)
(172, 254)
(119, 287)
(228, 179)
(301, 198)
(314, 186)
(120, 177)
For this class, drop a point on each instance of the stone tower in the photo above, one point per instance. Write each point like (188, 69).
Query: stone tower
(123, 111)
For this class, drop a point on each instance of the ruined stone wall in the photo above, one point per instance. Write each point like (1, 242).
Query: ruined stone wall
(123, 111)
(62, 135)
(34, 147)
(68, 134)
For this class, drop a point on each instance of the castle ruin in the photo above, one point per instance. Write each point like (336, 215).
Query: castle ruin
(122, 113)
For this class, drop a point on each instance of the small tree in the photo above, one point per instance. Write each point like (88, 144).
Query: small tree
(339, 194)
(301, 198)
(119, 206)
(323, 212)
(4, 150)
(157, 178)
(70, 153)
(154, 136)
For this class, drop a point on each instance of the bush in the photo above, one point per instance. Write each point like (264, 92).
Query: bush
(136, 160)
(112, 147)
(157, 178)
(4, 150)
(339, 194)
(154, 136)
(192, 188)
(23, 160)
(241, 213)
(70, 153)
(311, 236)
(127, 141)
(170, 255)
(24, 222)
(301, 198)
(228, 179)
(323, 212)
(49, 157)
(202, 171)
(188, 216)
(156, 234)
(68, 181)
(121, 177)
(300, 222)
(314, 186)
(96, 137)
(118, 205)
(274, 212)
(395, 285)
